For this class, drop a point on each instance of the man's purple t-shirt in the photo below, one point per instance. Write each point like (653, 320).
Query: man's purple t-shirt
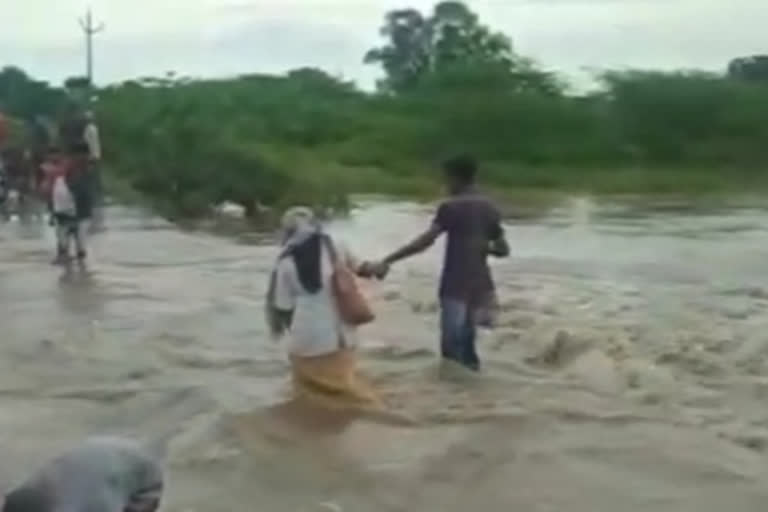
(471, 221)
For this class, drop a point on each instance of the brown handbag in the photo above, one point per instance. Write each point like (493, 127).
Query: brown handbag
(352, 304)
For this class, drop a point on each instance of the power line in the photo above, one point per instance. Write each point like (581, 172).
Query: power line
(89, 30)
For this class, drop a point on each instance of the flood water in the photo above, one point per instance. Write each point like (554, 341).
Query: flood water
(629, 371)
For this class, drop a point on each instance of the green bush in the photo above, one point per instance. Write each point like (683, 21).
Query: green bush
(278, 139)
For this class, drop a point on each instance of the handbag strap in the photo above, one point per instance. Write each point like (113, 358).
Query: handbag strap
(328, 242)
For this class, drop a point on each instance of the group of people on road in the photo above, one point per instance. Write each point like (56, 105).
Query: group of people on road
(101, 474)
(68, 188)
(304, 295)
(61, 171)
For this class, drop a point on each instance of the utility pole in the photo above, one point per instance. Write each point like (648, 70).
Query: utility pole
(89, 30)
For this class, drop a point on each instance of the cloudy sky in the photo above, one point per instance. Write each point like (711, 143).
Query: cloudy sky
(225, 37)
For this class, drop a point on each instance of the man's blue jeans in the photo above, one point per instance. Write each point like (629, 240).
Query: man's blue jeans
(458, 333)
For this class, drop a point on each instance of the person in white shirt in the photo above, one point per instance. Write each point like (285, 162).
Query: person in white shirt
(301, 304)
(92, 139)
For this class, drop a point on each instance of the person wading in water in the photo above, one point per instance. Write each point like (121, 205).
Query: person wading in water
(472, 224)
(72, 203)
(300, 303)
(92, 138)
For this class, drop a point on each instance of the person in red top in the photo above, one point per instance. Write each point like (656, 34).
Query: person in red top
(4, 181)
(71, 202)
(56, 165)
(3, 129)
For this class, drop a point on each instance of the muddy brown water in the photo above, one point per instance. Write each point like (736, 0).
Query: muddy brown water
(629, 372)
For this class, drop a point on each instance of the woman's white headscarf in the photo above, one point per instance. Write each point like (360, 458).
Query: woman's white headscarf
(297, 225)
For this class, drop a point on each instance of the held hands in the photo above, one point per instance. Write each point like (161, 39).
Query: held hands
(498, 248)
(379, 270)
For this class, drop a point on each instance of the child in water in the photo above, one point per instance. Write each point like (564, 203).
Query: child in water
(67, 188)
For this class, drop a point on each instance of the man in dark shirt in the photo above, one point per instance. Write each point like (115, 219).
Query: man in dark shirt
(40, 143)
(467, 292)
(79, 182)
(71, 225)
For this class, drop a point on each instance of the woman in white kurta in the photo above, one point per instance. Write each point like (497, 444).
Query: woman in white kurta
(301, 305)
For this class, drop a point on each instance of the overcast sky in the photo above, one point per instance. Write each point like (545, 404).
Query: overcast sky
(226, 37)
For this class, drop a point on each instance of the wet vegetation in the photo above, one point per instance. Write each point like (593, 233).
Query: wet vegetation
(450, 84)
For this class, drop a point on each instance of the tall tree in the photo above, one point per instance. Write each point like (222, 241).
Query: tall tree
(451, 40)
(21, 96)
(406, 57)
(753, 68)
(458, 37)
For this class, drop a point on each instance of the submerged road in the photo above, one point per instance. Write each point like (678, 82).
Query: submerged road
(629, 372)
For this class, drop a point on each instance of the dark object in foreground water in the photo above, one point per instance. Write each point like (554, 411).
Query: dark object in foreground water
(105, 474)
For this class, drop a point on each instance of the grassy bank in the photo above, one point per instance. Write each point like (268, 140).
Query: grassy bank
(524, 191)
(268, 141)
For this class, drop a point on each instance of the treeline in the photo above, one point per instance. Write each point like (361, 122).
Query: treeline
(451, 84)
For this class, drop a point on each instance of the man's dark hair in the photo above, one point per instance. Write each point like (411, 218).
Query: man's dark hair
(463, 168)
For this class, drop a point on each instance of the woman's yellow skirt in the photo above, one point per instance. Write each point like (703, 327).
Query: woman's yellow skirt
(333, 380)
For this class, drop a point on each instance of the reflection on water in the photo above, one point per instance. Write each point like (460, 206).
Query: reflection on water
(628, 372)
